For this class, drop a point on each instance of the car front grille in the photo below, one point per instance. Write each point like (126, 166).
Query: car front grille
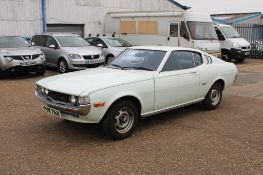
(60, 97)
(245, 47)
(90, 57)
(24, 57)
(15, 57)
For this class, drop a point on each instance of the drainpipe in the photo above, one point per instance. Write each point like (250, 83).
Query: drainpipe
(44, 20)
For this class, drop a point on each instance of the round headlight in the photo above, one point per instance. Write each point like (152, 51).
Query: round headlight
(9, 59)
(43, 90)
(83, 100)
(73, 99)
(46, 91)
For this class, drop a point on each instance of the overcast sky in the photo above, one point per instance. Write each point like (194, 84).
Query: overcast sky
(224, 6)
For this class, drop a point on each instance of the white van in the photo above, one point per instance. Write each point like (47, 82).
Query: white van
(233, 46)
(172, 28)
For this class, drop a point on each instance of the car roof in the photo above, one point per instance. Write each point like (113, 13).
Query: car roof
(165, 48)
(58, 34)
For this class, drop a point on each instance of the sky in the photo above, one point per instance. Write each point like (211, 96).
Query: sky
(223, 6)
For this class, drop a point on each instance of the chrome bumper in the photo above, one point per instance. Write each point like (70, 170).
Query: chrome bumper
(64, 108)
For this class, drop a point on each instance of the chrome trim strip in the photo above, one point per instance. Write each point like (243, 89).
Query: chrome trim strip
(171, 108)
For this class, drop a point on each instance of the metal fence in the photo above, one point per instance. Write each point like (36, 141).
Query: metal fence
(254, 34)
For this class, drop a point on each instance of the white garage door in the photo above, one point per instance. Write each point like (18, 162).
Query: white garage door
(66, 28)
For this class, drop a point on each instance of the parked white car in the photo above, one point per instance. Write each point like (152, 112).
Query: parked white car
(141, 81)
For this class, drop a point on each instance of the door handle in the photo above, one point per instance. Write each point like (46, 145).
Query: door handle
(192, 72)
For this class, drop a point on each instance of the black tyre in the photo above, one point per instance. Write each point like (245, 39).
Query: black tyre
(40, 70)
(226, 57)
(120, 120)
(109, 59)
(63, 66)
(213, 97)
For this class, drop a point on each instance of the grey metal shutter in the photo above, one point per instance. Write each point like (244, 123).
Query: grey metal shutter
(66, 28)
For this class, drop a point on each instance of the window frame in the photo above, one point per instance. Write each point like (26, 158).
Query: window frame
(193, 59)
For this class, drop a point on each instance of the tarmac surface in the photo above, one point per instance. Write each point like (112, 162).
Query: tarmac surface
(228, 140)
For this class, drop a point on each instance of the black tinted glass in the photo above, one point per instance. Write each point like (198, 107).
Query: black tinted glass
(179, 60)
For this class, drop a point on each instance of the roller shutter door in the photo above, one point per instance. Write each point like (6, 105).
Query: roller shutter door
(66, 28)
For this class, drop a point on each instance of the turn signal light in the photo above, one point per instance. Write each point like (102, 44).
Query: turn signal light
(99, 104)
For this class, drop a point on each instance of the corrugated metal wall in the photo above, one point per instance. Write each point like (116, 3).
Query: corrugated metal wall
(18, 17)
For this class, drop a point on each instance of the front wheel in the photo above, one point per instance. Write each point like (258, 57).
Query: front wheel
(63, 66)
(121, 119)
(213, 97)
(226, 57)
(40, 70)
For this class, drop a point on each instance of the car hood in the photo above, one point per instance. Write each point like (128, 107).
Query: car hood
(20, 51)
(89, 50)
(91, 80)
(240, 41)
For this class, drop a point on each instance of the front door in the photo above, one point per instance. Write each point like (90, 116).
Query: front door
(173, 34)
(178, 82)
(52, 53)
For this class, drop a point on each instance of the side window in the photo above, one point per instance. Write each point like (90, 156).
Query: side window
(179, 60)
(90, 41)
(183, 31)
(198, 59)
(96, 41)
(173, 29)
(34, 40)
(41, 40)
(51, 41)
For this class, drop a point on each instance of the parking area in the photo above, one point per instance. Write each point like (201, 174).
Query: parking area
(190, 140)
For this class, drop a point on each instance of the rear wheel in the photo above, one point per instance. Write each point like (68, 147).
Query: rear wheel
(109, 59)
(121, 119)
(213, 97)
(62, 66)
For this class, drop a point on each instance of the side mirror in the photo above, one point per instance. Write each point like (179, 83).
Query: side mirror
(221, 37)
(186, 36)
(52, 46)
(33, 44)
(100, 45)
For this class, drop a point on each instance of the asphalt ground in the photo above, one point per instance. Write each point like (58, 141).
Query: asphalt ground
(228, 140)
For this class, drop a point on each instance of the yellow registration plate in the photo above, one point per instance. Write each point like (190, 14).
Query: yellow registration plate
(52, 111)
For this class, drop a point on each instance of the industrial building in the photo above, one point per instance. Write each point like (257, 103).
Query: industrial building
(26, 17)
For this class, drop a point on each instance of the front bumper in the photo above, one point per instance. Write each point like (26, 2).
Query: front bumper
(239, 54)
(16, 65)
(68, 109)
(83, 64)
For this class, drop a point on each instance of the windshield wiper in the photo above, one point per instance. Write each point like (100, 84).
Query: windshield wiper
(137, 68)
(115, 65)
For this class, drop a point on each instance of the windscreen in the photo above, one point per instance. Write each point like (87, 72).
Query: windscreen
(202, 30)
(72, 41)
(139, 59)
(13, 42)
(230, 32)
(117, 42)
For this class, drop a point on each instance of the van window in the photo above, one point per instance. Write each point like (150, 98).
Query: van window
(40, 40)
(202, 30)
(173, 29)
(179, 60)
(51, 41)
(183, 31)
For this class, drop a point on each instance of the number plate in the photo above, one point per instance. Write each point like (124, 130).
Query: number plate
(52, 111)
(92, 61)
(247, 53)
(28, 63)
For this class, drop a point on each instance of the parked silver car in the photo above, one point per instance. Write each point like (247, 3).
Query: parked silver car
(17, 54)
(68, 51)
(111, 46)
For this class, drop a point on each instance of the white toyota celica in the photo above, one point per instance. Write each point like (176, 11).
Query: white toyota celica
(140, 82)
